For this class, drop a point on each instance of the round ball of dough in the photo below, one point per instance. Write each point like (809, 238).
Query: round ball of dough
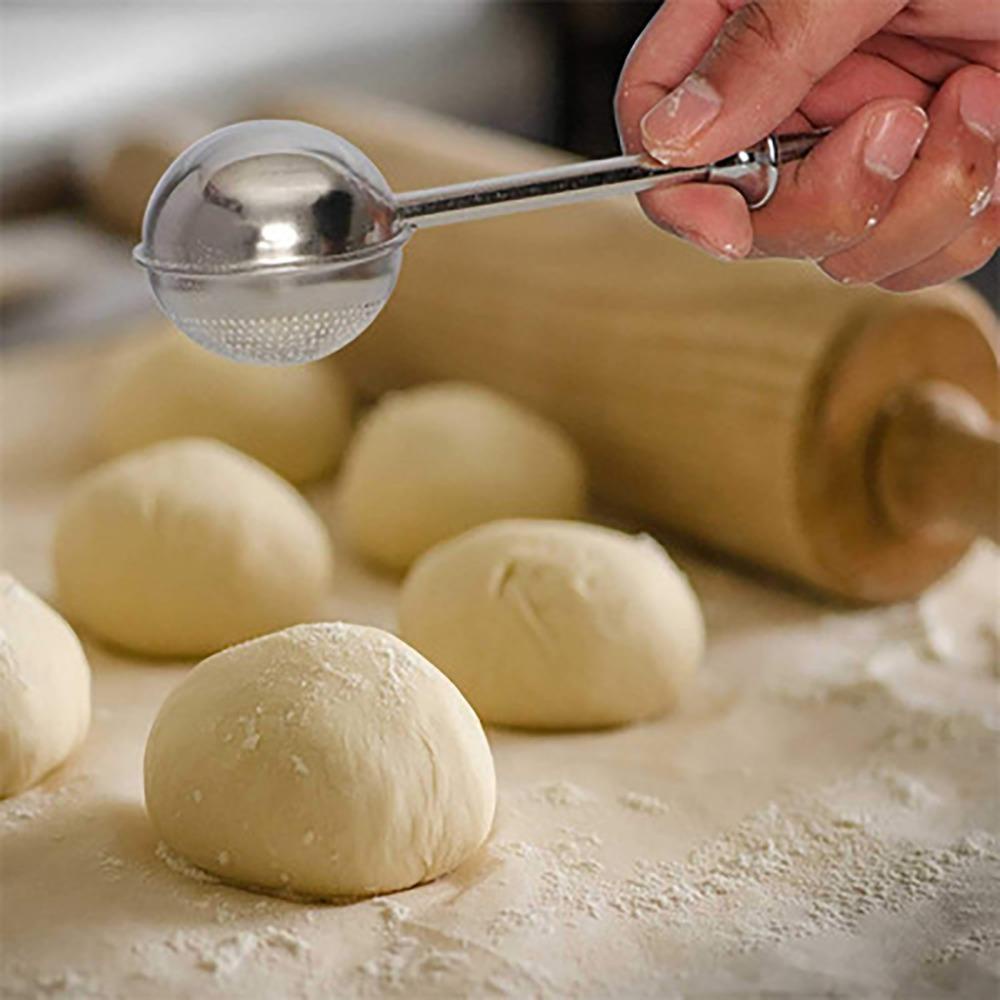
(326, 760)
(428, 463)
(44, 688)
(553, 625)
(295, 419)
(188, 546)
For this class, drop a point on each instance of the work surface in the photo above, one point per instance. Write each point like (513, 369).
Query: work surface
(821, 816)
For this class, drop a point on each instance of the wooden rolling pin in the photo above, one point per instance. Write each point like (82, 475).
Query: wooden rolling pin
(844, 437)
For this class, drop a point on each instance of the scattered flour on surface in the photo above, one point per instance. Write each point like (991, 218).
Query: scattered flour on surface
(789, 872)
(566, 879)
(562, 793)
(178, 864)
(979, 940)
(285, 940)
(638, 802)
(905, 788)
(224, 956)
(67, 983)
(407, 959)
(420, 960)
(112, 865)
(38, 802)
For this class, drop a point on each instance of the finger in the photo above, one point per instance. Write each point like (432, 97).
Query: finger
(982, 53)
(768, 56)
(830, 200)
(970, 20)
(928, 62)
(963, 256)
(670, 46)
(950, 180)
(713, 217)
(858, 80)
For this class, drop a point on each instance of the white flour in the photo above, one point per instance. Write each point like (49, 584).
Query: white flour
(648, 804)
(821, 817)
(562, 793)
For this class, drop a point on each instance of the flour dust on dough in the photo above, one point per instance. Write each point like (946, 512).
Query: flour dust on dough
(295, 419)
(555, 625)
(431, 462)
(44, 688)
(325, 760)
(186, 547)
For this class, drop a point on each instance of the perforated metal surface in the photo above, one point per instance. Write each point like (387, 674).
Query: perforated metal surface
(280, 340)
(284, 318)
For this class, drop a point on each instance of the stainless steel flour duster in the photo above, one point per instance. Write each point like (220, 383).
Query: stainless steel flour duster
(278, 242)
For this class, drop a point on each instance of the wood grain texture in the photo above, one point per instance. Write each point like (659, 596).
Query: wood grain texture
(938, 463)
(704, 394)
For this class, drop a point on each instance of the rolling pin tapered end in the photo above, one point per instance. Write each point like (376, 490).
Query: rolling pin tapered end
(899, 459)
(937, 464)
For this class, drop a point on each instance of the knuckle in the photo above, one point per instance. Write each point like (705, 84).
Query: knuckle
(766, 30)
(967, 183)
(755, 19)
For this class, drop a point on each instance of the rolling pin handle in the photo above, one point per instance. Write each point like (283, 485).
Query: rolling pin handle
(937, 464)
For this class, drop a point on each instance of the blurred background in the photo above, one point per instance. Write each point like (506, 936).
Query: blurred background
(97, 97)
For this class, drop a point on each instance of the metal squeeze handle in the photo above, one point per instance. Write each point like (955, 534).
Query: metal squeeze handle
(753, 172)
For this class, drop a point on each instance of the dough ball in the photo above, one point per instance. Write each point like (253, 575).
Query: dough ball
(325, 760)
(188, 546)
(553, 625)
(428, 463)
(295, 419)
(44, 688)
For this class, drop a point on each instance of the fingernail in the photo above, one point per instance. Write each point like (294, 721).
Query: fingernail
(892, 140)
(670, 125)
(979, 106)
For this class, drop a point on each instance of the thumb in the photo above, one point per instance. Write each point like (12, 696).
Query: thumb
(766, 59)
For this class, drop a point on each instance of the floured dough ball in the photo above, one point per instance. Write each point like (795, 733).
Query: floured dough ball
(428, 463)
(295, 419)
(553, 625)
(44, 688)
(325, 760)
(188, 546)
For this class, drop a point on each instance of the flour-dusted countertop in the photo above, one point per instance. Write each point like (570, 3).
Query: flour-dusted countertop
(821, 816)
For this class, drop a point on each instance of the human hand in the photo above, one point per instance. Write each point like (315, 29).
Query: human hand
(903, 192)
